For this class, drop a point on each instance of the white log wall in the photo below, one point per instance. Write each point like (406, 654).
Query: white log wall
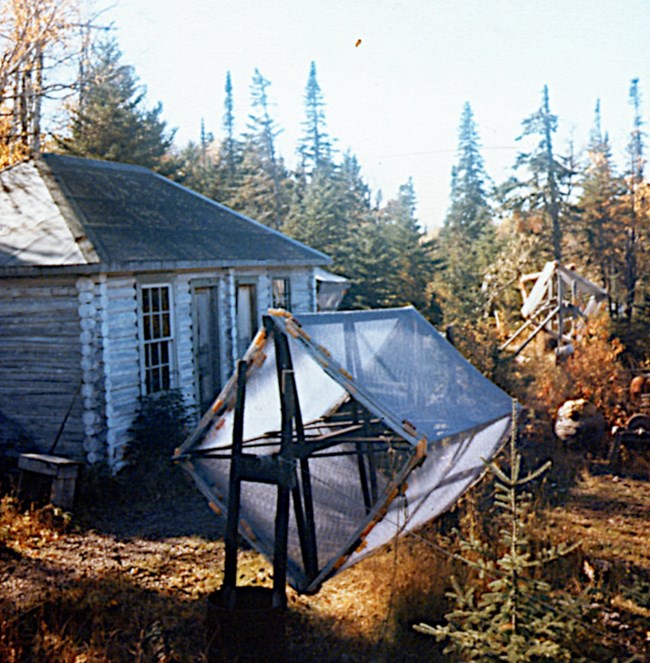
(63, 336)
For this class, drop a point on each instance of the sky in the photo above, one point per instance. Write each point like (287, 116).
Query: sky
(395, 74)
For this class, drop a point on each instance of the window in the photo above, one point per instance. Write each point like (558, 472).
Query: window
(281, 291)
(157, 337)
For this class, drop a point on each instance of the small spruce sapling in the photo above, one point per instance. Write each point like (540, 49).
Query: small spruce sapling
(517, 617)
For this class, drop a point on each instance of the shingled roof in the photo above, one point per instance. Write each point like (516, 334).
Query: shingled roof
(61, 210)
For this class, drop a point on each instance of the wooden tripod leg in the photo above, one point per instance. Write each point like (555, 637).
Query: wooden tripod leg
(234, 492)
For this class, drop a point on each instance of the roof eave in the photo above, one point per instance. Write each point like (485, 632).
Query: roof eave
(141, 266)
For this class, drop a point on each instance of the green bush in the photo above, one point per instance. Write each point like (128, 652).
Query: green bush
(162, 423)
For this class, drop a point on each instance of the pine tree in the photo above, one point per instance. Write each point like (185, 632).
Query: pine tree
(230, 151)
(315, 147)
(469, 217)
(320, 215)
(467, 238)
(601, 231)
(542, 201)
(517, 617)
(634, 178)
(112, 123)
(413, 265)
(264, 182)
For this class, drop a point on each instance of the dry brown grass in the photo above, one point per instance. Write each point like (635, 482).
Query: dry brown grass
(87, 592)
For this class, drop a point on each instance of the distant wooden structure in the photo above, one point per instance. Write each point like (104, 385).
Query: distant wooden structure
(558, 304)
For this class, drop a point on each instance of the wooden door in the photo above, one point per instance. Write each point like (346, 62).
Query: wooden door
(206, 344)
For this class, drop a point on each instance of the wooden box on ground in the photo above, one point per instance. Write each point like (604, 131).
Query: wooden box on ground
(47, 478)
(253, 630)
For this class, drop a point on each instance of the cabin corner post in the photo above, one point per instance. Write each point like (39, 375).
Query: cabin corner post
(90, 310)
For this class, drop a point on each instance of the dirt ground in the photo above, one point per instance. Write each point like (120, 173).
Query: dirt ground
(131, 580)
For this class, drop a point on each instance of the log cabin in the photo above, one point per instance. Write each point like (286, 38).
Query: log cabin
(117, 283)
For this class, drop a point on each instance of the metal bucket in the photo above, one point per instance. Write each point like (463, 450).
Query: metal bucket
(251, 631)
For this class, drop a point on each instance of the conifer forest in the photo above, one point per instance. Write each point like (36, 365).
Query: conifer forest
(550, 563)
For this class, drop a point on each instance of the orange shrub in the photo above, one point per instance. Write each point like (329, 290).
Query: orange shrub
(593, 372)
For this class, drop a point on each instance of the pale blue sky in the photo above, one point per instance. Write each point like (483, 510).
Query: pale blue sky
(395, 100)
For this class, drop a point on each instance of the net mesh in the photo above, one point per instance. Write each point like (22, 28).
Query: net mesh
(373, 387)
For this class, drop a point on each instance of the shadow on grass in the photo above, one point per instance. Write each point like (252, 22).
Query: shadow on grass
(153, 502)
(110, 618)
(113, 618)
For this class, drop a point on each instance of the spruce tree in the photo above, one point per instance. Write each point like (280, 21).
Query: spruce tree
(320, 215)
(469, 216)
(315, 147)
(262, 194)
(634, 179)
(196, 168)
(543, 200)
(112, 123)
(227, 186)
(467, 238)
(413, 265)
(601, 228)
(517, 617)
(230, 150)
(332, 212)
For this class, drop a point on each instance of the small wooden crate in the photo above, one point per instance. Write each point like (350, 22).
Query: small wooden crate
(47, 478)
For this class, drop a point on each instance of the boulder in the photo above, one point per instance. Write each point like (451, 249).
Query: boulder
(579, 423)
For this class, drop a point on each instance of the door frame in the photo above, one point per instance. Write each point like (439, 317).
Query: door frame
(198, 284)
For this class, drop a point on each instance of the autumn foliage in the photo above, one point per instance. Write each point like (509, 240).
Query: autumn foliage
(594, 371)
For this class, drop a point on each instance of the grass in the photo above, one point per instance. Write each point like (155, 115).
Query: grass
(87, 589)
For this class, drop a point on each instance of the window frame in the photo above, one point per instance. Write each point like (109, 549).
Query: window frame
(163, 340)
(287, 294)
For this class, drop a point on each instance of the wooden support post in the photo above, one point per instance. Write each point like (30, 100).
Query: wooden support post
(362, 449)
(372, 466)
(536, 331)
(308, 536)
(280, 546)
(234, 492)
(560, 316)
(289, 485)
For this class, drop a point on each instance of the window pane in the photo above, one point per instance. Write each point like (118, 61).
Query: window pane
(164, 377)
(165, 326)
(155, 299)
(164, 299)
(145, 300)
(146, 327)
